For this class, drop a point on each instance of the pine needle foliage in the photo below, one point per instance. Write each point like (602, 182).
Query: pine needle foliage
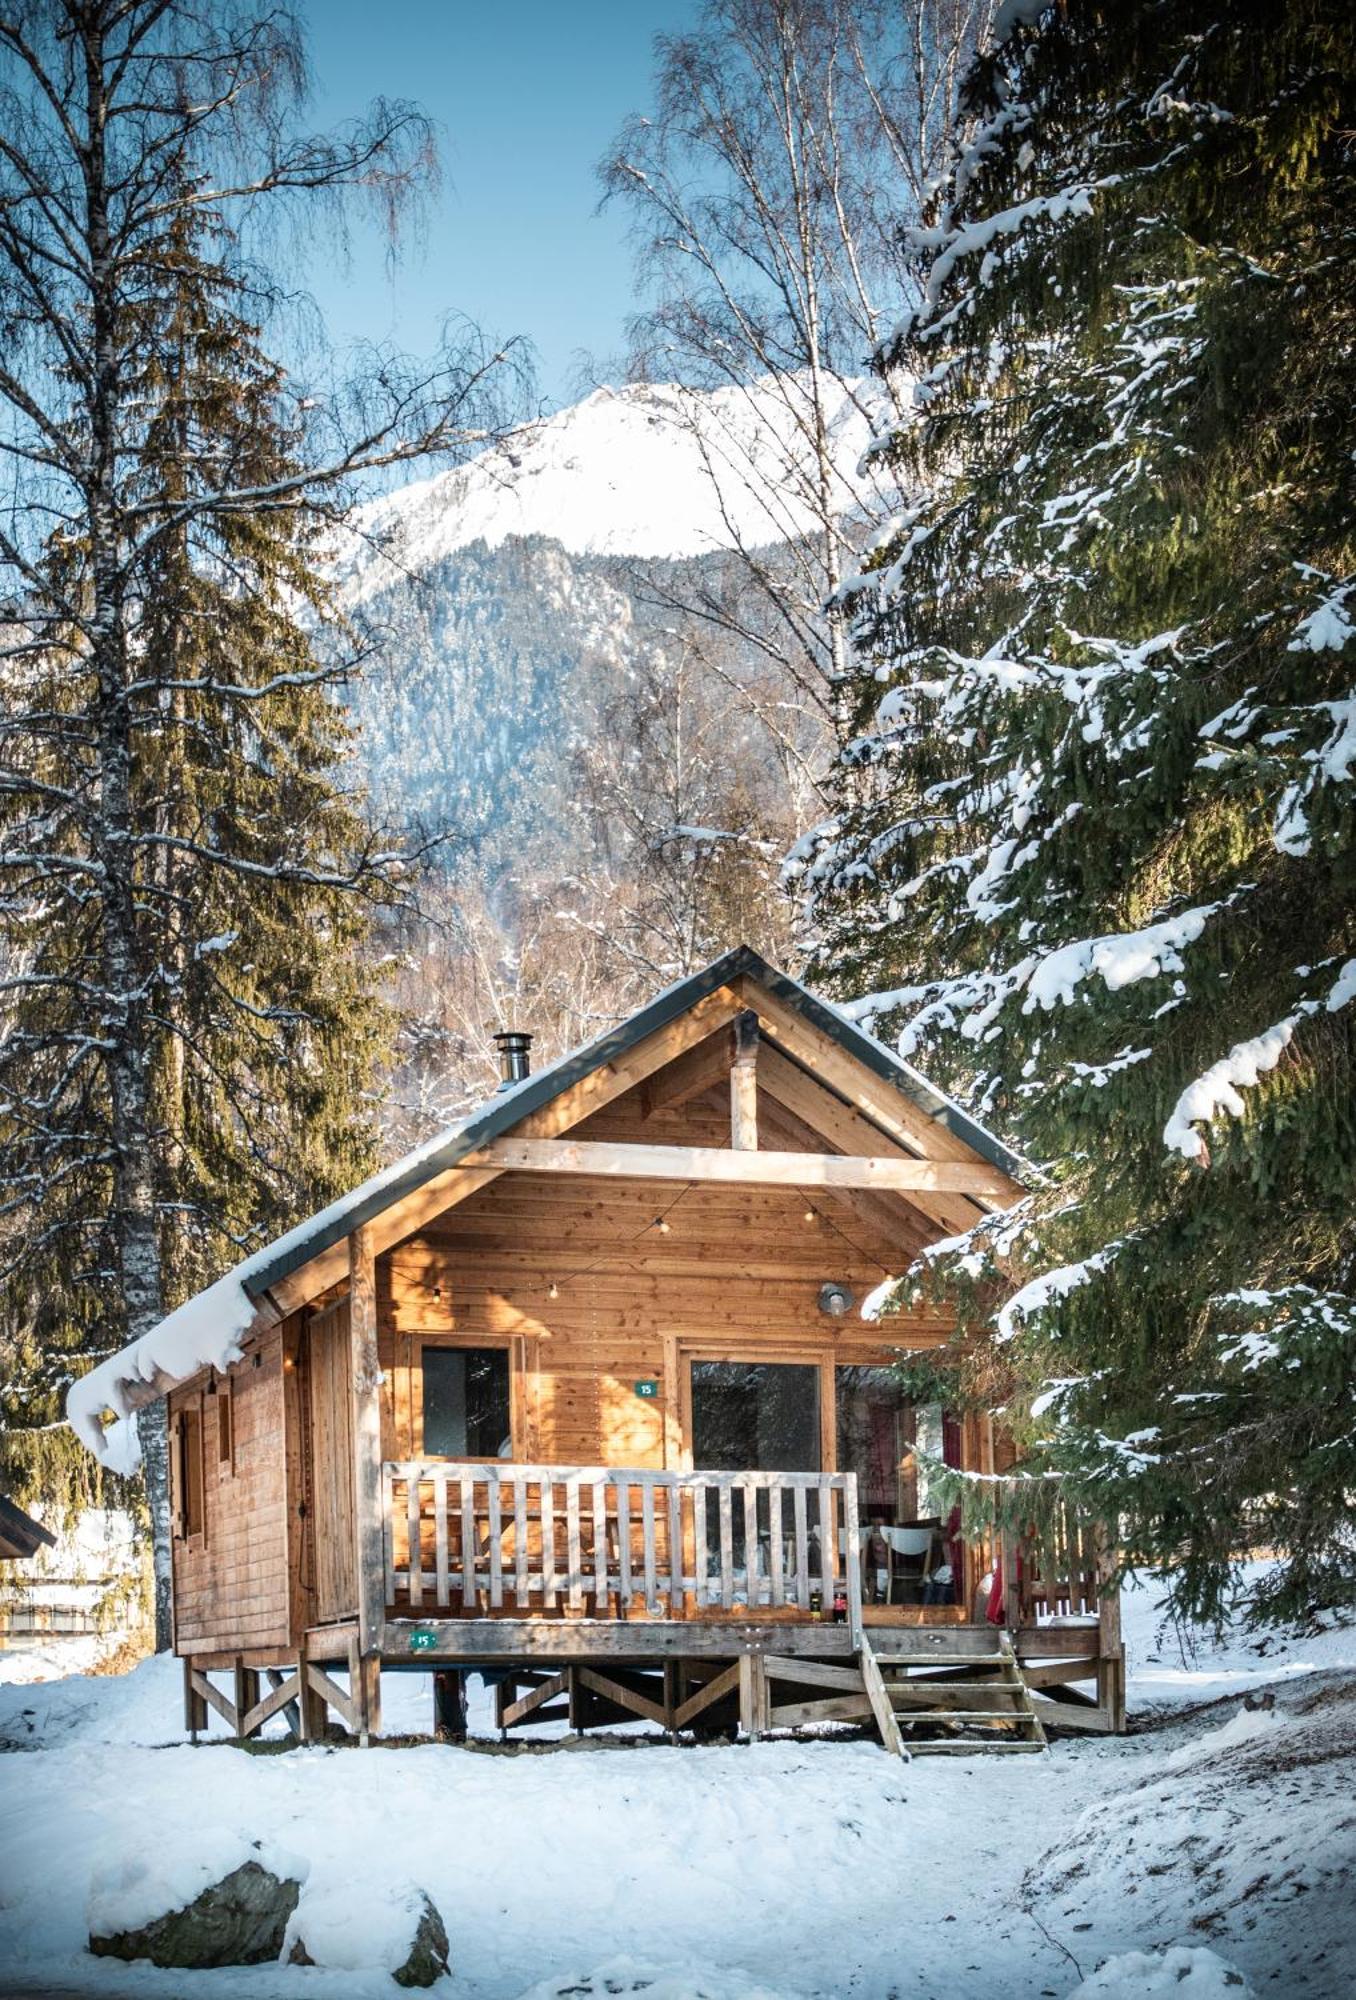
(1094, 858)
(246, 864)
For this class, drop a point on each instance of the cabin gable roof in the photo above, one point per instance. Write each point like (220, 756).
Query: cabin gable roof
(510, 1107)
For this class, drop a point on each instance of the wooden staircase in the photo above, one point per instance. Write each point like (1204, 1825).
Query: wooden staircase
(925, 1706)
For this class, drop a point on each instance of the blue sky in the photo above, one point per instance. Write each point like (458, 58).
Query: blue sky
(528, 97)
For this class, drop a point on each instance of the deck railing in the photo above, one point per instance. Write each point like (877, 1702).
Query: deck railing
(468, 1540)
(1058, 1573)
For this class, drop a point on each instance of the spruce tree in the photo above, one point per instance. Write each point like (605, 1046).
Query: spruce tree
(183, 875)
(1096, 867)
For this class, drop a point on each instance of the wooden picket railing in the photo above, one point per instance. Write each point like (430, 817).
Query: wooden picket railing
(1058, 1574)
(467, 1540)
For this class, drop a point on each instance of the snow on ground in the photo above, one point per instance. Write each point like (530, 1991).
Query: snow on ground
(1212, 1853)
(1168, 1667)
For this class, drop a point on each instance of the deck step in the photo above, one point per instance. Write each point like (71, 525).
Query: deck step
(893, 1691)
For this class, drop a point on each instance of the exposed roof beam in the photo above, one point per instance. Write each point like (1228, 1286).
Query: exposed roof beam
(605, 1158)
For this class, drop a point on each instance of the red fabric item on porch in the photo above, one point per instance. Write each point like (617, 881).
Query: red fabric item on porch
(994, 1613)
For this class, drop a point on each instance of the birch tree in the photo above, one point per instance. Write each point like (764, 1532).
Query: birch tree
(182, 875)
(767, 187)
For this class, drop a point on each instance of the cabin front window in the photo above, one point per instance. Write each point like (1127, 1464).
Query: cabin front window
(466, 1402)
(755, 1416)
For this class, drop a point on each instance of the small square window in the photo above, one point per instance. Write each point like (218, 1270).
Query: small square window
(466, 1402)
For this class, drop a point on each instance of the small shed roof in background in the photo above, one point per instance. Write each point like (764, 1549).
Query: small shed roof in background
(20, 1534)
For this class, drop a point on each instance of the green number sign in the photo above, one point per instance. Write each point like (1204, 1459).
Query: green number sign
(423, 1642)
(648, 1389)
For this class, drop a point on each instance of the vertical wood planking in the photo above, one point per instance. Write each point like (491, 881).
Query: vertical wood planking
(468, 1541)
(853, 1557)
(412, 1532)
(699, 1544)
(388, 1516)
(828, 1542)
(598, 1504)
(775, 1549)
(802, 1548)
(724, 1502)
(548, 1541)
(520, 1549)
(440, 1538)
(647, 1536)
(573, 1542)
(622, 1489)
(675, 1551)
(496, 1518)
(752, 1580)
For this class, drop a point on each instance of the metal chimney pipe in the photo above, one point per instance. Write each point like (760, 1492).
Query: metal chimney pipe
(515, 1058)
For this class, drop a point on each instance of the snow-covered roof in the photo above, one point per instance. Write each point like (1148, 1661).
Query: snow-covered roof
(209, 1331)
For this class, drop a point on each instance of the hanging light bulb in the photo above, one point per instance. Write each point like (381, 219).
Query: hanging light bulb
(662, 1225)
(809, 1215)
(553, 1290)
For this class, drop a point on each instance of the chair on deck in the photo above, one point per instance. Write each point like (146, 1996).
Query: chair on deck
(911, 1552)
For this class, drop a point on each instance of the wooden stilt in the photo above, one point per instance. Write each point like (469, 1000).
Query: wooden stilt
(753, 1695)
(246, 1697)
(195, 1708)
(310, 1701)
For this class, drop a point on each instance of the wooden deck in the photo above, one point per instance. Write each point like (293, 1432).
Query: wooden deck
(602, 1593)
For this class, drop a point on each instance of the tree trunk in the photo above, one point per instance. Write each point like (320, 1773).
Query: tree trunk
(137, 1306)
(153, 1435)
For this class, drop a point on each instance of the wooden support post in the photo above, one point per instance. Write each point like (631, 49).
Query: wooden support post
(1110, 1644)
(195, 1708)
(744, 1083)
(310, 1701)
(246, 1695)
(369, 1526)
(753, 1695)
(673, 1696)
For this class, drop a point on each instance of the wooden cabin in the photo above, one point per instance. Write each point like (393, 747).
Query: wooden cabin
(582, 1395)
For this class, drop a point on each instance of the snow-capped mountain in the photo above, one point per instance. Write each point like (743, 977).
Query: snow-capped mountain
(500, 593)
(639, 471)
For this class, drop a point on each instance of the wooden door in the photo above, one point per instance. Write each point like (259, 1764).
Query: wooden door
(330, 1376)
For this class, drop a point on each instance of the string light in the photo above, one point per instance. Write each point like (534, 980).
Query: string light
(662, 1225)
(553, 1290)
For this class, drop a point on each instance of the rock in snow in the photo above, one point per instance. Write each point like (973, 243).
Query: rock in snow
(1186, 1972)
(226, 1904)
(401, 1934)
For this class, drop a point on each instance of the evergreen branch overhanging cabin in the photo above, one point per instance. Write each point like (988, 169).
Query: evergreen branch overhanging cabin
(578, 1393)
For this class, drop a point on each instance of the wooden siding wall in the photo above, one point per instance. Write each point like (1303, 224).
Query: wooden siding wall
(231, 1584)
(736, 1272)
